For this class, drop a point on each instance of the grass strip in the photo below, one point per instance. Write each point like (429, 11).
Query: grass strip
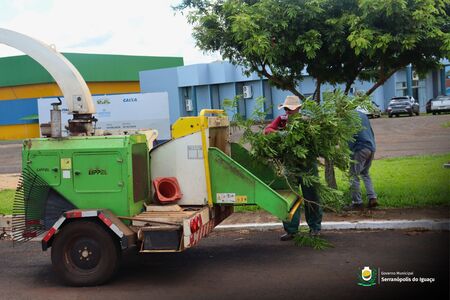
(415, 181)
(410, 181)
(6, 201)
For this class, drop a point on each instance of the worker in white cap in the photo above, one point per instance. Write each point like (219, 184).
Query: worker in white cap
(313, 210)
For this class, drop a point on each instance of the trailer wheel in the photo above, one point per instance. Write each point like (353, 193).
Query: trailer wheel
(85, 254)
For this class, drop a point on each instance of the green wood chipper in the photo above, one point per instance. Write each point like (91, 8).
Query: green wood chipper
(91, 196)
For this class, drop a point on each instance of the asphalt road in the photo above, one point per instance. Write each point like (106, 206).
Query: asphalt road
(250, 265)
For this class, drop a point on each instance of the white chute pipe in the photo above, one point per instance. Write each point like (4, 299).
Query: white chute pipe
(69, 80)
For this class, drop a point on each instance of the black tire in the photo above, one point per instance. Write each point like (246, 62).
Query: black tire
(417, 113)
(410, 113)
(389, 115)
(434, 113)
(85, 254)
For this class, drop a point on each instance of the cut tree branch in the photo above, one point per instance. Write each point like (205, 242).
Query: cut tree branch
(282, 84)
(382, 80)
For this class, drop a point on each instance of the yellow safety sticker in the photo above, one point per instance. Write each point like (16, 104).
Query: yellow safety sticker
(231, 198)
(66, 163)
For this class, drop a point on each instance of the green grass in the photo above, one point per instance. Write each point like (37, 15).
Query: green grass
(413, 181)
(246, 208)
(6, 201)
(408, 181)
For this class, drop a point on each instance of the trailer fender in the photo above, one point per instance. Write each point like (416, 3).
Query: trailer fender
(125, 235)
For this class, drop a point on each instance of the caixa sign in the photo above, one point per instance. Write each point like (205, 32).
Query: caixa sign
(131, 99)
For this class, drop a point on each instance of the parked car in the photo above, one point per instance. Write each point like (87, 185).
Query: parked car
(403, 105)
(440, 104)
(373, 112)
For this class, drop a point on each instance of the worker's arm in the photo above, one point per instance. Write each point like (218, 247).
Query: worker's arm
(273, 126)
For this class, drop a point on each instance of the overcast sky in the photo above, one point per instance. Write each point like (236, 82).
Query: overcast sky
(131, 27)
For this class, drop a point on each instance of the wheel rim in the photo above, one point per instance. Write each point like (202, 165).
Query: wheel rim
(83, 253)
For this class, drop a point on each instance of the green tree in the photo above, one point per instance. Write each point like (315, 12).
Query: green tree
(336, 42)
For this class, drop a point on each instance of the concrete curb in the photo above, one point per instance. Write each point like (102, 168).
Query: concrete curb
(427, 224)
(423, 224)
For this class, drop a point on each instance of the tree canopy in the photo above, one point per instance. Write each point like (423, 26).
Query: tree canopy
(334, 41)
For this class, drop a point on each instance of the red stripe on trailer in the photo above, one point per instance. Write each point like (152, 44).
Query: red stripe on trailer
(73, 214)
(49, 234)
(105, 220)
(203, 231)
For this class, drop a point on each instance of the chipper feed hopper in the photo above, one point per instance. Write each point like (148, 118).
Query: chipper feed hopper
(92, 197)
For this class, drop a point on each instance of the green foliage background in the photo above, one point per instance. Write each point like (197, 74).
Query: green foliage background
(335, 41)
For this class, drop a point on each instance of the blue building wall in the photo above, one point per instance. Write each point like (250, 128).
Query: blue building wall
(166, 80)
(388, 90)
(203, 98)
(227, 91)
(208, 85)
(251, 103)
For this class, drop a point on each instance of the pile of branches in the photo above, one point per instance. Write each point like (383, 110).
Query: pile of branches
(318, 132)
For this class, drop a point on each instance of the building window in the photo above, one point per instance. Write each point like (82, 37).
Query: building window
(215, 97)
(418, 90)
(401, 89)
(268, 103)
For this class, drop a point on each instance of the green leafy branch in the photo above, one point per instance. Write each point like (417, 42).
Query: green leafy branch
(319, 131)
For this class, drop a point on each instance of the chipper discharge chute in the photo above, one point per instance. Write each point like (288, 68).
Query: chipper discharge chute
(232, 183)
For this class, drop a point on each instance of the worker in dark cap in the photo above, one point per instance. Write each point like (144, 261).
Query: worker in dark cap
(363, 151)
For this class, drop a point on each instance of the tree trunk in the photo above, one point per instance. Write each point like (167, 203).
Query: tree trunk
(348, 86)
(330, 176)
(316, 94)
(381, 81)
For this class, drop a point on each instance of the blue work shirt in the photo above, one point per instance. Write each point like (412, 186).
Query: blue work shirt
(364, 139)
